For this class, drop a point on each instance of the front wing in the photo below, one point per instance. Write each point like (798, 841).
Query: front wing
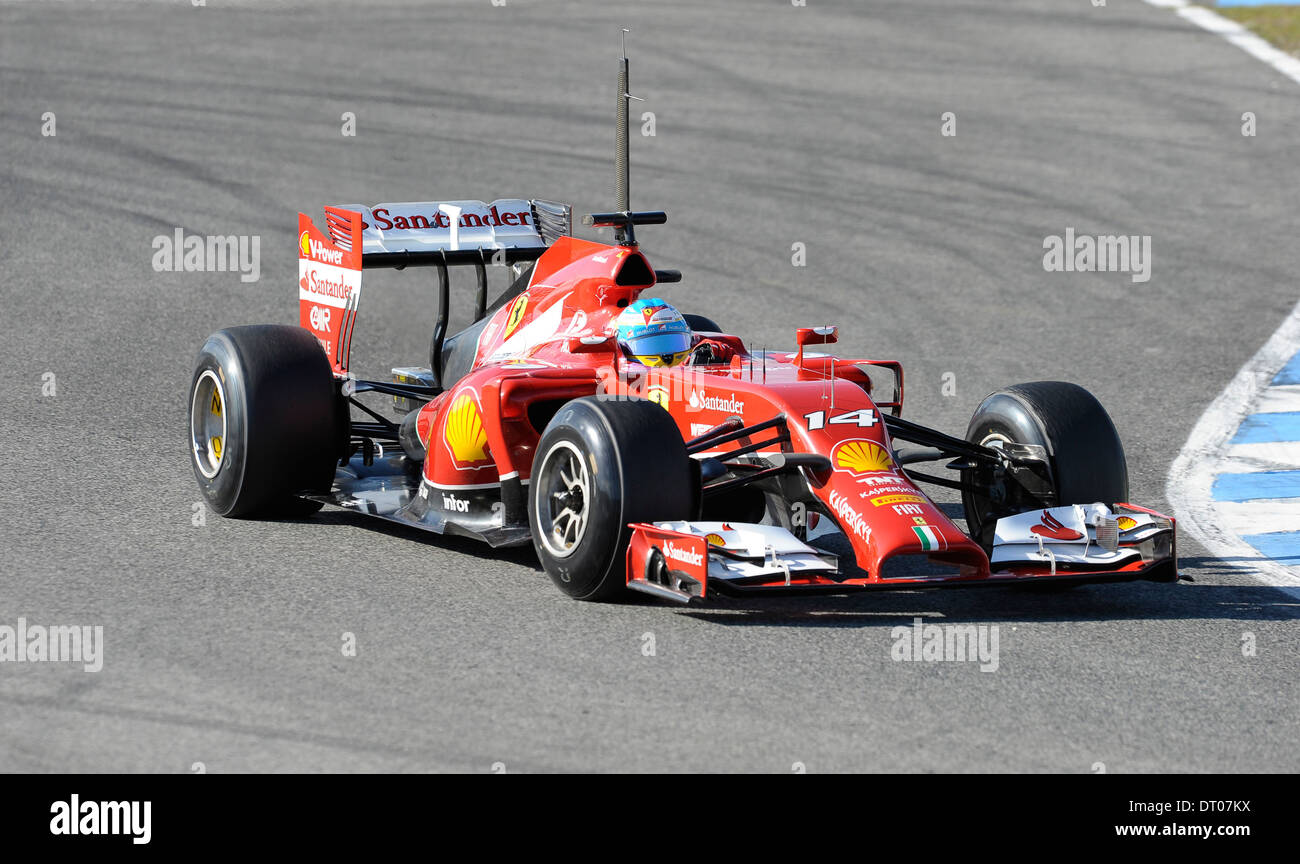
(685, 561)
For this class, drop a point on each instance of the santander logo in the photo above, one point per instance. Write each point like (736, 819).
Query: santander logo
(685, 556)
(729, 404)
(319, 283)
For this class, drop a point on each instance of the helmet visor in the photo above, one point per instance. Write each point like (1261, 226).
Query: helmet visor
(661, 359)
(659, 343)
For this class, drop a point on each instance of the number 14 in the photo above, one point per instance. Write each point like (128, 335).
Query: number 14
(864, 418)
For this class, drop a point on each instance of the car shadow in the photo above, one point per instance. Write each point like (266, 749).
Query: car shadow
(1124, 601)
(523, 556)
(1115, 602)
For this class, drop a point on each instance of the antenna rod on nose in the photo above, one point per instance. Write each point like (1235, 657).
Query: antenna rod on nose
(621, 168)
(622, 219)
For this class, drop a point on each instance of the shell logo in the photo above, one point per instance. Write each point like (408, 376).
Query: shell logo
(860, 456)
(464, 431)
(715, 540)
(304, 246)
(1127, 523)
(658, 394)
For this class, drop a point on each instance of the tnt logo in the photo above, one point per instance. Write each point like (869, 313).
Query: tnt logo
(320, 318)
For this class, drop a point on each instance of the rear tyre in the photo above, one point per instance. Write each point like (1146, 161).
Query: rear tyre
(265, 421)
(1084, 452)
(600, 465)
(701, 324)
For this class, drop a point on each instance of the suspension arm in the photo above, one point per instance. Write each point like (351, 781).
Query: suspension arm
(906, 430)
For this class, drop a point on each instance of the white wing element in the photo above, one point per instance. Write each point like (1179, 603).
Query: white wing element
(1088, 535)
(755, 550)
(433, 226)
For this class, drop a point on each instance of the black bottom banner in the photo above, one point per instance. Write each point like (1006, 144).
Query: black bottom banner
(332, 814)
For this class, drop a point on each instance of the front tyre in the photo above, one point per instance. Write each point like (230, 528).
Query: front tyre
(599, 466)
(265, 420)
(1084, 452)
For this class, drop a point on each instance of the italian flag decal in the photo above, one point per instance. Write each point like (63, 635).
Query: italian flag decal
(931, 540)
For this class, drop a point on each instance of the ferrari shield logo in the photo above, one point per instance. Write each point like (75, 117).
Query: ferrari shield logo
(516, 315)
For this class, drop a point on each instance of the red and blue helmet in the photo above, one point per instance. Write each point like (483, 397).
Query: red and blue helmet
(653, 333)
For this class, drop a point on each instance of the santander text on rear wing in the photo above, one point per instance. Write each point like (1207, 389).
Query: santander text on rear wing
(455, 232)
(426, 233)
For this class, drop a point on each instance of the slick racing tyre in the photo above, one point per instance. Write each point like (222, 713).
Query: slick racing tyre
(701, 324)
(600, 465)
(1085, 456)
(265, 421)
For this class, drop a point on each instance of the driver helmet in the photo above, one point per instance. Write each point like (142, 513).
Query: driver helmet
(653, 333)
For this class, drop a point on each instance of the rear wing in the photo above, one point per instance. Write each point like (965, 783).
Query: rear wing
(429, 233)
(438, 234)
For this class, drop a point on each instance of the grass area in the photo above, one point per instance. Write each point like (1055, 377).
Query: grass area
(1280, 25)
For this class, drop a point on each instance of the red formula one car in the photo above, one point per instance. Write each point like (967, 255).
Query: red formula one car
(737, 471)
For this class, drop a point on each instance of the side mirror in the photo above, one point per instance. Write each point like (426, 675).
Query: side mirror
(814, 336)
(588, 344)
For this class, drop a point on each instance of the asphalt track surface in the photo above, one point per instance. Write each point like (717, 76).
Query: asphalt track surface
(775, 124)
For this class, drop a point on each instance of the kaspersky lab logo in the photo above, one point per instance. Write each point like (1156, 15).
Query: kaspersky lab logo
(849, 516)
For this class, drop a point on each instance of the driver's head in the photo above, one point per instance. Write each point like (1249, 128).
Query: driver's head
(653, 333)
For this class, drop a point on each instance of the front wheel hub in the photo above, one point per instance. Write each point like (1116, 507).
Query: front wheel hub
(208, 424)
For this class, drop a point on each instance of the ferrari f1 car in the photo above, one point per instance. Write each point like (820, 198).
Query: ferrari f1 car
(737, 472)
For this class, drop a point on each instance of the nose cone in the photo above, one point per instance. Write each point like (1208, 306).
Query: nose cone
(884, 515)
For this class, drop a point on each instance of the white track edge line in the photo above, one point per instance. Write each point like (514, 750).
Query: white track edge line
(1188, 491)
